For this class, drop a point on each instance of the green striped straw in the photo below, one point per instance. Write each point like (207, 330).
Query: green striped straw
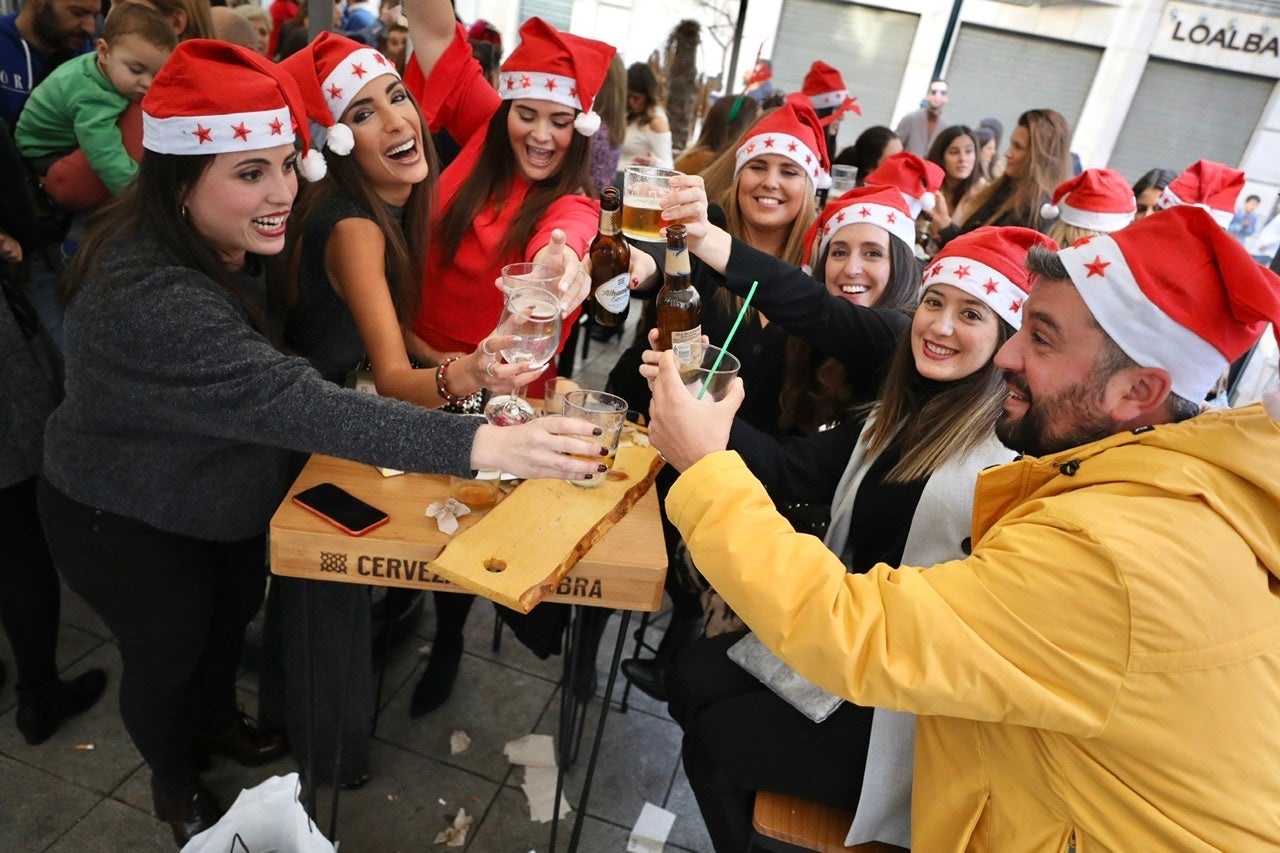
(742, 312)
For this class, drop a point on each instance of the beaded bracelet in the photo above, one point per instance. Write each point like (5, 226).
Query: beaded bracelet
(442, 386)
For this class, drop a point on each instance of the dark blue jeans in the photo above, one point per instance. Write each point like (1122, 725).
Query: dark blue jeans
(178, 607)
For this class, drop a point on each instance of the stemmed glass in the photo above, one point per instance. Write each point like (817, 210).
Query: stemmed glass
(531, 322)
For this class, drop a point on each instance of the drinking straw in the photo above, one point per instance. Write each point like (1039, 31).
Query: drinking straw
(742, 312)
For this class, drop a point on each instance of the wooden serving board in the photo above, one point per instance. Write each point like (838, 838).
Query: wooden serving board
(523, 547)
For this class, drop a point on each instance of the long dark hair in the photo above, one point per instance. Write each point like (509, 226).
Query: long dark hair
(153, 204)
(954, 190)
(866, 151)
(816, 389)
(493, 178)
(406, 238)
(932, 425)
(1048, 163)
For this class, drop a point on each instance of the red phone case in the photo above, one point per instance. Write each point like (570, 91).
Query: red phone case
(339, 524)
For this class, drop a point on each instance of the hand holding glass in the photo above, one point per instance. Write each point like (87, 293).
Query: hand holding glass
(531, 319)
(642, 192)
(705, 372)
(609, 413)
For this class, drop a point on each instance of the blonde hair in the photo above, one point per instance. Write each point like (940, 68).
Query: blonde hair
(1064, 234)
(1047, 164)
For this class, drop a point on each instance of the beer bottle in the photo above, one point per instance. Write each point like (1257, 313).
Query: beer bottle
(679, 304)
(610, 255)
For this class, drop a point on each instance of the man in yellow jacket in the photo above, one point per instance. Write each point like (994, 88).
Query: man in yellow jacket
(1103, 671)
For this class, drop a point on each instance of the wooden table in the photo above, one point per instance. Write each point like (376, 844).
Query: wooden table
(624, 571)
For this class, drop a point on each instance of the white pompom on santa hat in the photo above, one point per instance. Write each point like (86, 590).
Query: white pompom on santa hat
(1174, 292)
(254, 105)
(916, 178)
(1206, 184)
(550, 65)
(1096, 199)
(330, 72)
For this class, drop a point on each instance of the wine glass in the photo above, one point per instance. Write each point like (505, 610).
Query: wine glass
(531, 323)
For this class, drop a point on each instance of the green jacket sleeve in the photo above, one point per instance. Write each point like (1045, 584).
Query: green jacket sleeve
(96, 114)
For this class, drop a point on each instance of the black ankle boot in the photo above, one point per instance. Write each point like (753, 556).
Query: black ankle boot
(436, 683)
(41, 711)
(188, 812)
(649, 675)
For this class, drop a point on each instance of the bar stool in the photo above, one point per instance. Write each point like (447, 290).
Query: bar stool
(784, 823)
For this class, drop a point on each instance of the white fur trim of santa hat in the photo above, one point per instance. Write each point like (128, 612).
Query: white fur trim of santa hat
(217, 134)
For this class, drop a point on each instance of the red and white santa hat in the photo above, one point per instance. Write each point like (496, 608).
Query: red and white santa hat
(549, 65)
(212, 97)
(792, 130)
(882, 206)
(1206, 184)
(917, 178)
(989, 263)
(1096, 199)
(330, 72)
(825, 89)
(1175, 293)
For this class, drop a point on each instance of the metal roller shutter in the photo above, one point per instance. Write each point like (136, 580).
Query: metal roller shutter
(869, 46)
(555, 12)
(1182, 113)
(1002, 74)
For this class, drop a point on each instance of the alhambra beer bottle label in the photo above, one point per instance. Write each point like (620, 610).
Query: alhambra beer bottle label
(610, 254)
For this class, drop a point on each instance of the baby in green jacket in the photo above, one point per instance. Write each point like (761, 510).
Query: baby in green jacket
(78, 105)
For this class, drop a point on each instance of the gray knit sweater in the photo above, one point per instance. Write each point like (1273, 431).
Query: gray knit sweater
(26, 399)
(179, 414)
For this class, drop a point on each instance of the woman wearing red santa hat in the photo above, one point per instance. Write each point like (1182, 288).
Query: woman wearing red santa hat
(778, 166)
(353, 284)
(522, 174)
(170, 452)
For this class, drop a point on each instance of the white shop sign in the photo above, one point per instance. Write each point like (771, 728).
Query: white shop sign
(1221, 38)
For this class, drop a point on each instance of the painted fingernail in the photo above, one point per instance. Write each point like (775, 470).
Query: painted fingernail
(586, 477)
(604, 451)
(602, 468)
(597, 431)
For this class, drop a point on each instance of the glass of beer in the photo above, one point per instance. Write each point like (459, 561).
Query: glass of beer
(607, 411)
(705, 371)
(642, 190)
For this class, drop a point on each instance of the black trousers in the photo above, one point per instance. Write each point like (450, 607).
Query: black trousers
(178, 607)
(739, 738)
(30, 597)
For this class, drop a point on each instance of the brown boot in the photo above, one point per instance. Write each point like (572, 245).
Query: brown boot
(188, 812)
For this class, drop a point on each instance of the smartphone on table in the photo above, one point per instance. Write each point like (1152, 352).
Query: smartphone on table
(341, 508)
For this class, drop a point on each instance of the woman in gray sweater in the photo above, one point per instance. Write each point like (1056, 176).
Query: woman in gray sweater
(170, 452)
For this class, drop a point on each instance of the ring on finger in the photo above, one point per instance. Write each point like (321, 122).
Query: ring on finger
(484, 348)
(488, 369)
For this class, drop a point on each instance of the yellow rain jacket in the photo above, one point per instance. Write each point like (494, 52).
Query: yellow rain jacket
(1103, 671)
